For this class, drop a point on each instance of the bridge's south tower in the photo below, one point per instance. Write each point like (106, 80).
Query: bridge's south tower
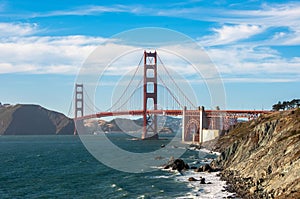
(150, 95)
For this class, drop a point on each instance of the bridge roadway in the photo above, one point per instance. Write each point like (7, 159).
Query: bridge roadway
(209, 113)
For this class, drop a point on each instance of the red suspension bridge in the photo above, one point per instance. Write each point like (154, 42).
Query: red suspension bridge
(146, 87)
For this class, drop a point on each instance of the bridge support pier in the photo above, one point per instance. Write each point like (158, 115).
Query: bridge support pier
(193, 123)
(201, 121)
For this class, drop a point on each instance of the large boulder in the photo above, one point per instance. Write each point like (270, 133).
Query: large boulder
(205, 168)
(177, 164)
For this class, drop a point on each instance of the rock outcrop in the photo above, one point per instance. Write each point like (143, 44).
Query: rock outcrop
(177, 164)
(261, 158)
(33, 120)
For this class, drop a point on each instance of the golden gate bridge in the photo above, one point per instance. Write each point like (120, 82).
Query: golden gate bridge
(198, 124)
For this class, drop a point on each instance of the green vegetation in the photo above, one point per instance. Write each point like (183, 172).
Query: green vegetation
(286, 105)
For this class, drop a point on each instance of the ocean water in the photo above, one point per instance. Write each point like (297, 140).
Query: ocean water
(61, 167)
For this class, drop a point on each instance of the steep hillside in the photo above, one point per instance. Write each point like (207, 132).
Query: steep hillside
(261, 158)
(33, 120)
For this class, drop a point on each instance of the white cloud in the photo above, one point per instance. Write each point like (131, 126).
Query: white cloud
(26, 53)
(250, 63)
(38, 54)
(269, 16)
(86, 10)
(17, 29)
(244, 23)
(230, 34)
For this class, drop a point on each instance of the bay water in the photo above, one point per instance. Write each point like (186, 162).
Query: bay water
(61, 167)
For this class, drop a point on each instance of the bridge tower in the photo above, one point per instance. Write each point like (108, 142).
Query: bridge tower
(150, 95)
(78, 100)
(78, 104)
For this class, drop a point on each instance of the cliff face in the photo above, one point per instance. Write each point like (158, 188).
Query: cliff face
(261, 158)
(33, 120)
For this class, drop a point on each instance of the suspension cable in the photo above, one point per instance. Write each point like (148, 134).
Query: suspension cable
(125, 91)
(90, 100)
(175, 83)
(71, 104)
(119, 107)
(174, 97)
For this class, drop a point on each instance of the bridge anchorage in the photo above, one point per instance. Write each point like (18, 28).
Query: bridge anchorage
(198, 124)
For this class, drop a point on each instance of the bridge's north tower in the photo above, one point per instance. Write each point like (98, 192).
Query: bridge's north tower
(78, 100)
(150, 95)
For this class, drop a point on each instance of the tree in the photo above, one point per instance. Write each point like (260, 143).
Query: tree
(286, 105)
(295, 103)
(277, 107)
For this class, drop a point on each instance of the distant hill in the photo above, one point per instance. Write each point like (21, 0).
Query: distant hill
(169, 125)
(33, 120)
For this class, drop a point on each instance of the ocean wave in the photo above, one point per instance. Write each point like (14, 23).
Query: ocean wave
(214, 187)
(161, 176)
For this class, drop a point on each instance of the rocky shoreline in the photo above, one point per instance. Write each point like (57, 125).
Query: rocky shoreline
(204, 181)
(261, 158)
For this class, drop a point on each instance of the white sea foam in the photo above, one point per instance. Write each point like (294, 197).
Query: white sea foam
(214, 190)
(141, 197)
(158, 177)
(211, 152)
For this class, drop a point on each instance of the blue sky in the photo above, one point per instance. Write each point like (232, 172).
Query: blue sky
(255, 45)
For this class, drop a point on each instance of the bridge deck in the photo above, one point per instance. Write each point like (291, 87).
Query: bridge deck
(209, 113)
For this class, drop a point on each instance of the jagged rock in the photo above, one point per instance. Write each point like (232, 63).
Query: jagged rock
(192, 179)
(253, 189)
(204, 168)
(195, 146)
(202, 181)
(177, 164)
(269, 170)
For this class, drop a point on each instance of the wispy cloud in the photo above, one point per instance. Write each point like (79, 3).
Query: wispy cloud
(85, 10)
(230, 34)
(236, 24)
(17, 29)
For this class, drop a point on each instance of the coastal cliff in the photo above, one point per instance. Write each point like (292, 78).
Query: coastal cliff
(33, 120)
(261, 158)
